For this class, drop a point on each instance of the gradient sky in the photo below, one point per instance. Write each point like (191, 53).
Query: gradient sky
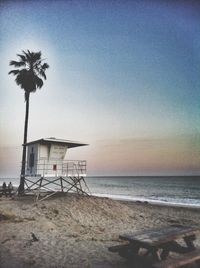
(124, 77)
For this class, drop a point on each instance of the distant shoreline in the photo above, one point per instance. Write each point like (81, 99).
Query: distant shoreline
(116, 176)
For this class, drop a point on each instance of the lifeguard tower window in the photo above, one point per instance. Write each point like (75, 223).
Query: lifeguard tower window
(54, 167)
(31, 160)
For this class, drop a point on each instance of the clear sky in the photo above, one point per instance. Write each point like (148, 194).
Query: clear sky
(124, 77)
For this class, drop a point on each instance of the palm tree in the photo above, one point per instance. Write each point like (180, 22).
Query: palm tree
(29, 73)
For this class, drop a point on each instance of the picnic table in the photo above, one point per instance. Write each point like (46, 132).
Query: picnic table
(152, 247)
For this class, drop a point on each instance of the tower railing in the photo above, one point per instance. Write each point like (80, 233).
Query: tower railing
(52, 168)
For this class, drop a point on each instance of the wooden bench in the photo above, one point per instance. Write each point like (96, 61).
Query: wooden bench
(119, 248)
(123, 250)
(7, 192)
(180, 260)
(126, 251)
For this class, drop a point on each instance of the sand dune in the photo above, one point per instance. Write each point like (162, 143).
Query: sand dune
(76, 231)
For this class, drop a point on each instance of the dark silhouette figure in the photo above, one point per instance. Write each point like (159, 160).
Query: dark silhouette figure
(30, 70)
(10, 188)
(4, 189)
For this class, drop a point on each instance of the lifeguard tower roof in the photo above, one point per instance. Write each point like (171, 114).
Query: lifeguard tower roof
(70, 144)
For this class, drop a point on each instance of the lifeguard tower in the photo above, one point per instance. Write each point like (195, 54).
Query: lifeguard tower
(47, 171)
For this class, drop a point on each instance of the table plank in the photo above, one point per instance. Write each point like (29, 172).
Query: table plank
(158, 236)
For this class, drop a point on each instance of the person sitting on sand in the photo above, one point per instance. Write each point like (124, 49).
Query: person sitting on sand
(10, 188)
(4, 188)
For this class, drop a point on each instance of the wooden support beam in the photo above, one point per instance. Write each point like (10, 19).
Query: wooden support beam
(33, 183)
(189, 241)
(61, 183)
(74, 186)
(181, 260)
(66, 184)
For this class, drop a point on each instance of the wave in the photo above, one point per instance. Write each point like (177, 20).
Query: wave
(190, 203)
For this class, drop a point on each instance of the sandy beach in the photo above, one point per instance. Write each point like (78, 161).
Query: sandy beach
(76, 231)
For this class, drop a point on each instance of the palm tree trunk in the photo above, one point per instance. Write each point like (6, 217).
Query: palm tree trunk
(23, 167)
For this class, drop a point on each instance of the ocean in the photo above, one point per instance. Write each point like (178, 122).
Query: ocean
(177, 191)
(168, 190)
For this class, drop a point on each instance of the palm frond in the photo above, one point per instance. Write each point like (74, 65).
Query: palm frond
(14, 72)
(22, 57)
(38, 82)
(17, 63)
(36, 56)
(37, 65)
(42, 73)
(20, 79)
(45, 66)
(27, 55)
